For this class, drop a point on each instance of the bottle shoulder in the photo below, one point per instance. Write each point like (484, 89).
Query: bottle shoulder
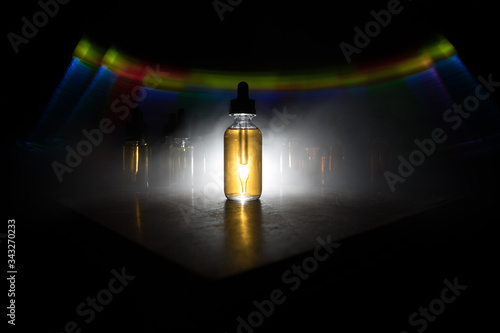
(248, 124)
(232, 129)
(239, 126)
(242, 121)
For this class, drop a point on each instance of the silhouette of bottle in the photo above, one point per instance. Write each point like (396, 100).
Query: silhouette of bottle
(166, 156)
(136, 152)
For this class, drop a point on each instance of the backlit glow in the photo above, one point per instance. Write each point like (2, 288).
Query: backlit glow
(243, 172)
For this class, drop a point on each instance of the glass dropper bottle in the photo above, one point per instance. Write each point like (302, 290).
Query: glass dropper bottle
(242, 150)
(136, 153)
(166, 159)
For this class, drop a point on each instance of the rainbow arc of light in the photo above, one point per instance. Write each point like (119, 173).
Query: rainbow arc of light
(342, 76)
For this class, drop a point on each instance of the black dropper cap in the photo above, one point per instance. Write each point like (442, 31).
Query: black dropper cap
(182, 127)
(242, 104)
(170, 125)
(195, 126)
(136, 128)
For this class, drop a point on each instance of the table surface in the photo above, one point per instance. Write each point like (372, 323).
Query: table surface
(217, 238)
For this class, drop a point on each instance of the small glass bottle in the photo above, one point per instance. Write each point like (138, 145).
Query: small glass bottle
(166, 158)
(199, 151)
(242, 150)
(182, 157)
(136, 153)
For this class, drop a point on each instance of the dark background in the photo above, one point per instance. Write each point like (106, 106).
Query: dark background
(261, 35)
(257, 35)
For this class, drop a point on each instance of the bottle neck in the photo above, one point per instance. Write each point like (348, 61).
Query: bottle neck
(132, 142)
(242, 120)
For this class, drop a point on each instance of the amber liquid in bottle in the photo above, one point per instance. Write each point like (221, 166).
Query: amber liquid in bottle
(243, 163)
(136, 157)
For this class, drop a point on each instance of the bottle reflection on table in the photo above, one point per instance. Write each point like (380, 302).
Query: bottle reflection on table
(243, 233)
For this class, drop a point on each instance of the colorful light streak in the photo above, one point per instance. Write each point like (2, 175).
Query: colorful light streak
(410, 93)
(172, 79)
(419, 86)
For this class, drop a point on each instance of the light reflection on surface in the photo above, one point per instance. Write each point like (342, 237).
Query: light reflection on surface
(243, 233)
(138, 220)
